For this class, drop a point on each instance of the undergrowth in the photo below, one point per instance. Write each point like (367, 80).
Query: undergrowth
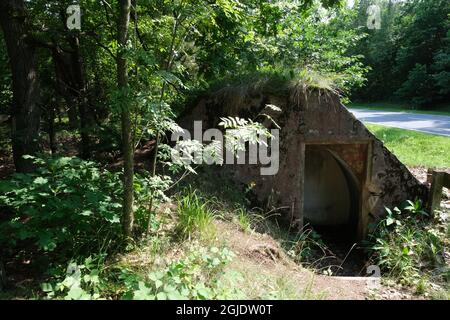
(69, 209)
(178, 255)
(194, 216)
(409, 247)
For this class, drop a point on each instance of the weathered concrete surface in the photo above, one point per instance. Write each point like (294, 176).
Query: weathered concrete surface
(314, 118)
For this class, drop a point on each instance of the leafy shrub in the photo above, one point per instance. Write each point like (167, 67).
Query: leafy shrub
(405, 243)
(68, 205)
(197, 276)
(80, 281)
(194, 216)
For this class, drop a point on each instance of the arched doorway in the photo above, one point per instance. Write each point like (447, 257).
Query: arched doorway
(331, 194)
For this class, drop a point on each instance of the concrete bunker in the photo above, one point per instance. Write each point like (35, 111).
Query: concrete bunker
(333, 172)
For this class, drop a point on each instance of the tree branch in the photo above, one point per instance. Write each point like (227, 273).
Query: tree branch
(101, 45)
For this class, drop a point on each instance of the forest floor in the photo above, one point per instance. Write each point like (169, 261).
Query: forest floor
(263, 266)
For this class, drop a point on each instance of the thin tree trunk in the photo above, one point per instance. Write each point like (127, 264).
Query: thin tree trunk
(51, 126)
(71, 83)
(127, 141)
(83, 103)
(72, 113)
(26, 112)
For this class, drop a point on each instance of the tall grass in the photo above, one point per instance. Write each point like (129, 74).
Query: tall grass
(194, 216)
(414, 148)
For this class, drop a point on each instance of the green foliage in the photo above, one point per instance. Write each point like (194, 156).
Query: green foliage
(241, 131)
(417, 87)
(194, 216)
(303, 246)
(406, 245)
(244, 219)
(197, 276)
(68, 205)
(79, 281)
(408, 56)
(441, 68)
(247, 220)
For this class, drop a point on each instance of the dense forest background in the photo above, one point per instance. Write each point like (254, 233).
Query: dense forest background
(409, 55)
(189, 46)
(79, 106)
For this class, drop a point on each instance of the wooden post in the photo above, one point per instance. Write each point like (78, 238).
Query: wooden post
(438, 181)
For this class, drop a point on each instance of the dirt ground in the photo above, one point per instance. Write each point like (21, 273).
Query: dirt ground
(260, 254)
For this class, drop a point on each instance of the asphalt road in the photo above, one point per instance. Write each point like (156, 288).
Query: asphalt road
(429, 123)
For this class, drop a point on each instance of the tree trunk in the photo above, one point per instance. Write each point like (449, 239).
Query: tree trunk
(25, 112)
(65, 83)
(72, 112)
(51, 107)
(127, 141)
(71, 83)
(83, 103)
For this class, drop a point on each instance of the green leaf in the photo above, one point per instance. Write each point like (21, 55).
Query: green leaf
(389, 221)
(143, 293)
(161, 296)
(155, 275)
(75, 293)
(40, 180)
(158, 284)
(86, 213)
(175, 295)
(46, 287)
(46, 241)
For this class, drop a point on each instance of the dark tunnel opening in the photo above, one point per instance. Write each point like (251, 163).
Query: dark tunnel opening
(332, 196)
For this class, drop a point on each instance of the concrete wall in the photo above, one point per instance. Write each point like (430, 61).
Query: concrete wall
(313, 117)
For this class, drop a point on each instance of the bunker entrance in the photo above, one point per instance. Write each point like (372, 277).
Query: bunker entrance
(331, 195)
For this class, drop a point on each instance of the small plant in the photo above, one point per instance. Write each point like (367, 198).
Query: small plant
(244, 219)
(80, 282)
(194, 216)
(303, 245)
(407, 245)
(196, 276)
